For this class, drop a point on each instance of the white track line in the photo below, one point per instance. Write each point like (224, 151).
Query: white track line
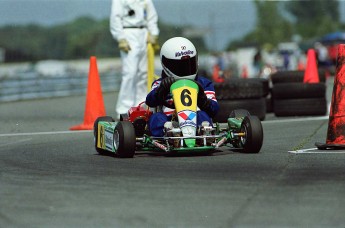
(310, 150)
(317, 151)
(296, 120)
(44, 133)
(88, 131)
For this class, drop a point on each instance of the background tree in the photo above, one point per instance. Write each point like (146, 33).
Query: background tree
(270, 28)
(78, 39)
(314, 18)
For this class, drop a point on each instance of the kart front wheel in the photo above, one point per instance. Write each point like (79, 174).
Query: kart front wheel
(124, 139)
(252, 140)
(95, 132)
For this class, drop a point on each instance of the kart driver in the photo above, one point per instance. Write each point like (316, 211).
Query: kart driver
(179, 60)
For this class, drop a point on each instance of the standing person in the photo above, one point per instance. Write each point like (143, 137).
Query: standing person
(133, 23)
(322, 55)
(257, 62)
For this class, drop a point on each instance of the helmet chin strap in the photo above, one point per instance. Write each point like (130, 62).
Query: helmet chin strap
(171, 74)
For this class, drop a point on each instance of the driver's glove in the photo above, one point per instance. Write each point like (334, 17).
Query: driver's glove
(164, 88)
(124, 45)
(203, 101)
(154, 41)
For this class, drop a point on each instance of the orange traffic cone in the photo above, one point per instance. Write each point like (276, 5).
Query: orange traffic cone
(215, 75)
(336, 125)
(94, 99)
(300, 66)
(244, 73)
(311, 74)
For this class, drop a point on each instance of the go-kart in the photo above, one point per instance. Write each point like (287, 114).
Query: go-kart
(123, 138)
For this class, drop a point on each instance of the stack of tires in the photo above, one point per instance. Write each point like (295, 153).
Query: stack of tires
(239, 93)
(292, 97)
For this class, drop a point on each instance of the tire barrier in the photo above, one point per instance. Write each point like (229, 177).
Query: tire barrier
(249, 94)
(299, 90)
(292, 97)
(300, 107)
(238, 89)
(255, 106)
(293, 76)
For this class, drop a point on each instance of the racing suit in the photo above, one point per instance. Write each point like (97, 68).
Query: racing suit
(133, 21)
(158, 119)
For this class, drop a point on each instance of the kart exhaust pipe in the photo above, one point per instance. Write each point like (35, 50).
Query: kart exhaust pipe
(221, 142)
(160, 146)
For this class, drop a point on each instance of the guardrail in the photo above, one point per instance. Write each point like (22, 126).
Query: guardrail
(32, 85)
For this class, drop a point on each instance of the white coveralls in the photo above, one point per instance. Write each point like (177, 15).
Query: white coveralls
(132, 20)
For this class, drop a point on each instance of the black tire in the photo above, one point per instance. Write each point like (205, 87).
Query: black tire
(256, 107)
(238, 89)
(124, 116)
(253, 139)
(287, 76)
(95, 132)
(239, 113)
(296, 90)
(265, 85)
(293, 76)
(124, 139)
(300, 107)
(269, 104)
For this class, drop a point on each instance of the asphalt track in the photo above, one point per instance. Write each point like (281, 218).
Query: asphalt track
(51, 177)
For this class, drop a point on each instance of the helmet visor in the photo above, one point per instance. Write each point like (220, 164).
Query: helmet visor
(181, 67)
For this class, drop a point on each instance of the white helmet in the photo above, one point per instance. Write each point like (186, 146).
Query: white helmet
(179, 58)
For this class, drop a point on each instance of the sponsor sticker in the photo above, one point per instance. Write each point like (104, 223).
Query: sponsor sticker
(187, 123)
(183, 53)
(108, 140)
(100, 139)
(187, 115)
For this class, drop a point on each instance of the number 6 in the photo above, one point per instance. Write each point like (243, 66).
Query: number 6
(186, 100)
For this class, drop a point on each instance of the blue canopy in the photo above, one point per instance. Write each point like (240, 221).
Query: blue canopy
(335, 36)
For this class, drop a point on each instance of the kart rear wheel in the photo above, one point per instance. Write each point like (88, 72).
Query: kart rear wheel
(95, 132)
(124, 139)
(252, 141)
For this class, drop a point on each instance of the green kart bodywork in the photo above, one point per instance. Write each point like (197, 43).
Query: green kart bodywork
(236, 133)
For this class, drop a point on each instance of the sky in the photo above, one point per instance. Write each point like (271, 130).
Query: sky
(222, 20)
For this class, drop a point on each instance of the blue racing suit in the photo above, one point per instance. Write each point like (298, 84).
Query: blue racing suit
(158, 119)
